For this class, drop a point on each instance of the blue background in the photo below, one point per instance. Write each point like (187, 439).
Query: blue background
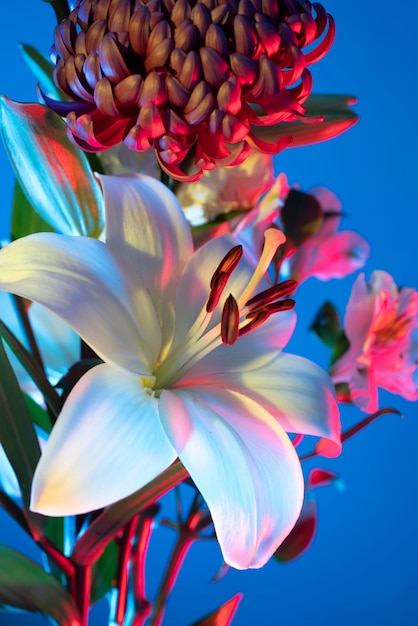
(362, 566)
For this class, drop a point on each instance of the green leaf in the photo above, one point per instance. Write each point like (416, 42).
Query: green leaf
(41, 67)
(38, 415)
(60, 7)
(301, 216)
(54, 175)
(25, 220)
(340, 347)
(327, 324)
(24, 585)
(76, 371)
(222, 616)
(34, 370)
(17, 433)
(114, 517)
(104, 572)
(337, 114)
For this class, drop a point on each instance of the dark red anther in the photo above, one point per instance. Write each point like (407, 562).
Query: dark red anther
(256, 319)
(228, 263)
(262, 299)
(217, 286)
(230, 321)
(281, 305)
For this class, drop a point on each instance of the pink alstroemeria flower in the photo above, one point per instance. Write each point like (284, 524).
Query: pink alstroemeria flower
(379, 322)
(328, 253)
(169, 386)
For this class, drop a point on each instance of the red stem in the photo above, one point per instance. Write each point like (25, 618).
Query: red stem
(83, 589)
(183, 543)
(123, 568)
(186, 537)
(143, 606)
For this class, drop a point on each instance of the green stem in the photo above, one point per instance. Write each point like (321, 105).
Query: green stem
(22, 312)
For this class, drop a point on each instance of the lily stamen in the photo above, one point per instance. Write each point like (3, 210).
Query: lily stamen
(273, 307)
(272, 294)
(221, 275)
(230, 321)
(228, 263)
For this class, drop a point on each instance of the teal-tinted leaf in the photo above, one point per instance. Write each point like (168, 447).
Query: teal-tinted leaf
(34, 370)
(25, 220)
(24, 585)
(54, 175)
(41, 68)
(104, 572)
(224, 615)
(17, 433)
(337, 114)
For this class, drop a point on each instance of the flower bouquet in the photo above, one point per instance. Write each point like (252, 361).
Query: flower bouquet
(150, 288)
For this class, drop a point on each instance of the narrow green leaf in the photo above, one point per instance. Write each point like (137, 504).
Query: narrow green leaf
(25, 220)
(17, 433)
(222, 616)
(55, 532)
(55, 175)
(104, 572)
(114, 517)
(33, 368)
(38, 415)
(42, 68)
(24, 585)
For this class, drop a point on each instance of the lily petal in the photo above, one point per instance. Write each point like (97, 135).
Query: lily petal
(295, 391)
(145, 224)
(79, 280)
(244, 465)
(251, 352)
(107, 443)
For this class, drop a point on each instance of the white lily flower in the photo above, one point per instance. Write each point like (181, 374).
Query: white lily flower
(169, 386)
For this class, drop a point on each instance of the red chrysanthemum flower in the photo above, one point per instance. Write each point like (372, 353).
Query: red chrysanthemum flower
(187, 77)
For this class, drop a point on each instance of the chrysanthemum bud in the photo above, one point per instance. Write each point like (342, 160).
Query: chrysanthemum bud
(205, 72)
